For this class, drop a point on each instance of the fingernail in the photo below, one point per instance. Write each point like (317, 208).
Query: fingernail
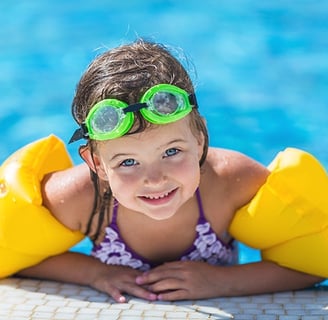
(139, 280)
(153, 297)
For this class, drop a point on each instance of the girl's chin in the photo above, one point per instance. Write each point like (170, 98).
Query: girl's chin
(159, 215)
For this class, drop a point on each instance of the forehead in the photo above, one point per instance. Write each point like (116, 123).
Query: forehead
(153, 135)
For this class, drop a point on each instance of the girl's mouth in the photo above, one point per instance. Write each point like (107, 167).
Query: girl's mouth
(159, 198)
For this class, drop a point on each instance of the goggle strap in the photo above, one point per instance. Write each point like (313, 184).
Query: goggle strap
(135, 107)
(193, 100)
(80, 133)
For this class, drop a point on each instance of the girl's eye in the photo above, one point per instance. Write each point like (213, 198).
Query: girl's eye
(128, 163)
(171, 152)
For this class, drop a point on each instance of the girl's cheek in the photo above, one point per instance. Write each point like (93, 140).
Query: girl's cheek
(122, 180)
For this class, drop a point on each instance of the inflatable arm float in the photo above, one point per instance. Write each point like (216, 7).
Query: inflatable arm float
(28, 231)
(288, 217)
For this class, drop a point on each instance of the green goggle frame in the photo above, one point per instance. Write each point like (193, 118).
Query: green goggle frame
(112, 118)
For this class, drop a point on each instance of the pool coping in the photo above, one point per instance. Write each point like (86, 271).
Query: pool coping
(35, 299)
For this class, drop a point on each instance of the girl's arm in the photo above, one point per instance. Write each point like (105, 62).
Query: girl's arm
(67, 267)
(81, 269)
(69, 196)
(263, 277)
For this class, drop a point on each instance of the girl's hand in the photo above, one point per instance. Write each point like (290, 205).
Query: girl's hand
(199, 280)
(116, 280)
(182, 280)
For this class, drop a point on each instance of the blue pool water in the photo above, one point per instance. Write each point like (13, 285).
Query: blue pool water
(262, 67)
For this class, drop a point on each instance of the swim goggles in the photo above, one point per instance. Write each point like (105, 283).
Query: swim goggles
(112, 118)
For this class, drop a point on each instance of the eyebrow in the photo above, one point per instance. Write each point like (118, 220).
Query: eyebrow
(171, 142)
(121, 155)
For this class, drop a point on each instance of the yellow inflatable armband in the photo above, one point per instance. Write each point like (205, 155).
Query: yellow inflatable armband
(28, 231)
(288, 217)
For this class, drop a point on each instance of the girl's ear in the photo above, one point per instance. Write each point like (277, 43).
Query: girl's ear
(93, 161)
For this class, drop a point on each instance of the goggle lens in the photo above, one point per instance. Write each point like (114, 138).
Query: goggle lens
(165, 103)
(106, 120)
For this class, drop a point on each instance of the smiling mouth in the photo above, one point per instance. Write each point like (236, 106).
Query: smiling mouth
(163, 196)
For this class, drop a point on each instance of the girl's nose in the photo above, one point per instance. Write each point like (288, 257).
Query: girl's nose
(155, 175)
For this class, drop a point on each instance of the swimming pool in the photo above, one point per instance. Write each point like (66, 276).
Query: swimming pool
(262, 67)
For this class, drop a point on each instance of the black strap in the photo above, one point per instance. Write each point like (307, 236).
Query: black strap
(135, 107)
(80, 133)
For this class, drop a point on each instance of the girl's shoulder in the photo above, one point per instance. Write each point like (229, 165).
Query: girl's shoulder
(238, 175)
(226, 161)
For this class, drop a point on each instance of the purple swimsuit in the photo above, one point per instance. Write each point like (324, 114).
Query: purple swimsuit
(207, 246)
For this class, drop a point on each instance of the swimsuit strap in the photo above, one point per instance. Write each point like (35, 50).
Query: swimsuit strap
(203, 219)
(200, 206)
(115, 212)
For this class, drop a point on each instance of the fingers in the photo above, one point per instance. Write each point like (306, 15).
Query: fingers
(140, 292)
(173, 295)
(117, 295)
(168, 281)
(117, 281)
(180, 280)
(116, 290)
(170, 289)
(168, 270)
(137, 291)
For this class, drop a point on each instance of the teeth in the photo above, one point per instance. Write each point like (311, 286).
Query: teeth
(158, 197)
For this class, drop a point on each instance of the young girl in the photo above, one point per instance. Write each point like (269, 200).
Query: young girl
(159, 202)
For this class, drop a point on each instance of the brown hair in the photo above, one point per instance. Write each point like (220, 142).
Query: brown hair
(126, 73)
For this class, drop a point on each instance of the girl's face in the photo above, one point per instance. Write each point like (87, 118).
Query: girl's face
(153, 172)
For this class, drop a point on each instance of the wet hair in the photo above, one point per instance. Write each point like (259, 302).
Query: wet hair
(126, 73)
